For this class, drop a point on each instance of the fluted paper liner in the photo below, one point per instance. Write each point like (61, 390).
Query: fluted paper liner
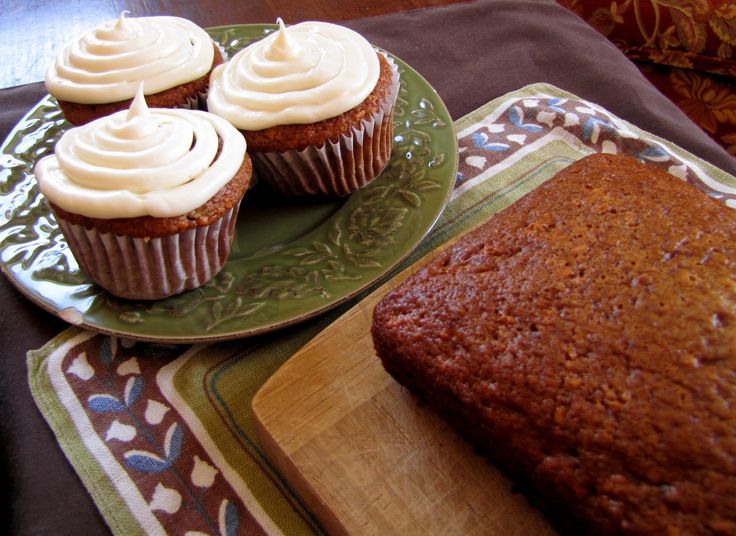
(152, 268)
(338, 168)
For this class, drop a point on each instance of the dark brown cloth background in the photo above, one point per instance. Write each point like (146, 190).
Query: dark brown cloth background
(470, 53)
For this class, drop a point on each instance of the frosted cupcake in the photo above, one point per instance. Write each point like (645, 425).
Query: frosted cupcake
(147, 198)
(98, 73)
(315, 103)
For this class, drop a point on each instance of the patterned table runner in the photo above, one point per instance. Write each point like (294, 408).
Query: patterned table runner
(162, 436)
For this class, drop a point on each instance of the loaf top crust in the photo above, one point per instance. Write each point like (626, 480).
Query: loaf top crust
(586, 338)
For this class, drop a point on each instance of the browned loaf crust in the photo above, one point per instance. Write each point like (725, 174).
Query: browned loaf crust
(585, 338)
(148, 226)
(284, 138)
(80, 114)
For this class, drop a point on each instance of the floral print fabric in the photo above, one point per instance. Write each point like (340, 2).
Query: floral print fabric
(686, 48)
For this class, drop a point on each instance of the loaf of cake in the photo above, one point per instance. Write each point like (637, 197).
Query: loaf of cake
(585, 340)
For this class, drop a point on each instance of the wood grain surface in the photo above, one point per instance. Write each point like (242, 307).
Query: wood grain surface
(365, 456)
(33, 32)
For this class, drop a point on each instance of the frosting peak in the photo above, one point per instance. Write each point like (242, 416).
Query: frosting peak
(141, 162)
(119, 30)
(138, 120)
(282, 46)
(120, 24)
(301, 74)
(106, 64)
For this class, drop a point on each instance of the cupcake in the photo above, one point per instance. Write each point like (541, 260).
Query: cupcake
(98, 73)
(315, 104)
(147, 198)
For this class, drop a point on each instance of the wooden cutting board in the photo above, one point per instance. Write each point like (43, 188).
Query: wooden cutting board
(365, 457)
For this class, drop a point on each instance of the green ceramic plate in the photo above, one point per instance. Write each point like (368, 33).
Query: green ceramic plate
(291, 259)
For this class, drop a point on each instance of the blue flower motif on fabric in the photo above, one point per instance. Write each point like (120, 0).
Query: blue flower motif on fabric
(553, 104)
(655, 154)
(229, 519)
(592, 127)
(106, 403)
(149, 455)
(148, 462)
(480, 140)
(516, 117)
(133, 390)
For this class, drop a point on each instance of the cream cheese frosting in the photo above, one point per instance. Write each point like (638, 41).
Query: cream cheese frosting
(141, 162)
(297, 75)
(107, 63)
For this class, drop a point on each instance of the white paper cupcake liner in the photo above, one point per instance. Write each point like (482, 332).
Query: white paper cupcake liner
(152, 268)
(338, 168)
(195, 102)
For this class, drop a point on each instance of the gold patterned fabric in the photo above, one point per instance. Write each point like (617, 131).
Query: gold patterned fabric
(686, 48)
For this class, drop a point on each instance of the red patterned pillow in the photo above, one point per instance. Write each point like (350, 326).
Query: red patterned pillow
(692, 34)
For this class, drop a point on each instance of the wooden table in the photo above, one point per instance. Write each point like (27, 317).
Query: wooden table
(32, 32)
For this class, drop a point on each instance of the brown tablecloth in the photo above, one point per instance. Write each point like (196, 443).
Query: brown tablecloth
(471, 53)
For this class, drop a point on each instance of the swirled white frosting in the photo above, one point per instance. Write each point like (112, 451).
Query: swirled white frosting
(141, 161)
(297, 75)
(107, 63)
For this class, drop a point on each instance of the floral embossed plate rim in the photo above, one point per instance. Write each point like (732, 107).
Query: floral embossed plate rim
(291, 260)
